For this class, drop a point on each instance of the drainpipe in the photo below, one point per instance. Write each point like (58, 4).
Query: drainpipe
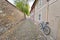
(47, 10)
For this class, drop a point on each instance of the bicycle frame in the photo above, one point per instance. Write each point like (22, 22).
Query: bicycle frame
(45, 28)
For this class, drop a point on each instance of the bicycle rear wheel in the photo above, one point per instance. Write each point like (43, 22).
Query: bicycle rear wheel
(47, 30)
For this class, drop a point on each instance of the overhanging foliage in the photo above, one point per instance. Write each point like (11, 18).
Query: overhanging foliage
(23, 6)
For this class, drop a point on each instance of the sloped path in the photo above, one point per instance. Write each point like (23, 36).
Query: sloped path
(25, 30)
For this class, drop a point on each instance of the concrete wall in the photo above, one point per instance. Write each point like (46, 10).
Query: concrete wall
(53, 16)
(32, 15)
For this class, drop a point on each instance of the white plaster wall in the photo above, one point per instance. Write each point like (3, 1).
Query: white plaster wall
(54, 11)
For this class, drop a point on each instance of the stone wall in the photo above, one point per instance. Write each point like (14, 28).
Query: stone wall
(9, 16)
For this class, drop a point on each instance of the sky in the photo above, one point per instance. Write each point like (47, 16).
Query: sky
(30, 2)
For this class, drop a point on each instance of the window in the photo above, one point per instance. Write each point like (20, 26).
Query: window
(41, 2)
(39, 17)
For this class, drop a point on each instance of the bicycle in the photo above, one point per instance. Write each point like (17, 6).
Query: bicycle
(45, 28)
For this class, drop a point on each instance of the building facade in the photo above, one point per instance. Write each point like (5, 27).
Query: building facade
(49, 10)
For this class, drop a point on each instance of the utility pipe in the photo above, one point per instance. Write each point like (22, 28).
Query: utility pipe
(47, 10)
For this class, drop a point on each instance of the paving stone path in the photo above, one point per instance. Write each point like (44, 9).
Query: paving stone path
(25, 30)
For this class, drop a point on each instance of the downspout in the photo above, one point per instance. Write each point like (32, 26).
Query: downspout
(47, 10)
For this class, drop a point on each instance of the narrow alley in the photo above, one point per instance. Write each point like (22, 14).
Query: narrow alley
(29, 20)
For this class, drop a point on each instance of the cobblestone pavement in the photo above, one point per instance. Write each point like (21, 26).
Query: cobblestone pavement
(25, 30)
